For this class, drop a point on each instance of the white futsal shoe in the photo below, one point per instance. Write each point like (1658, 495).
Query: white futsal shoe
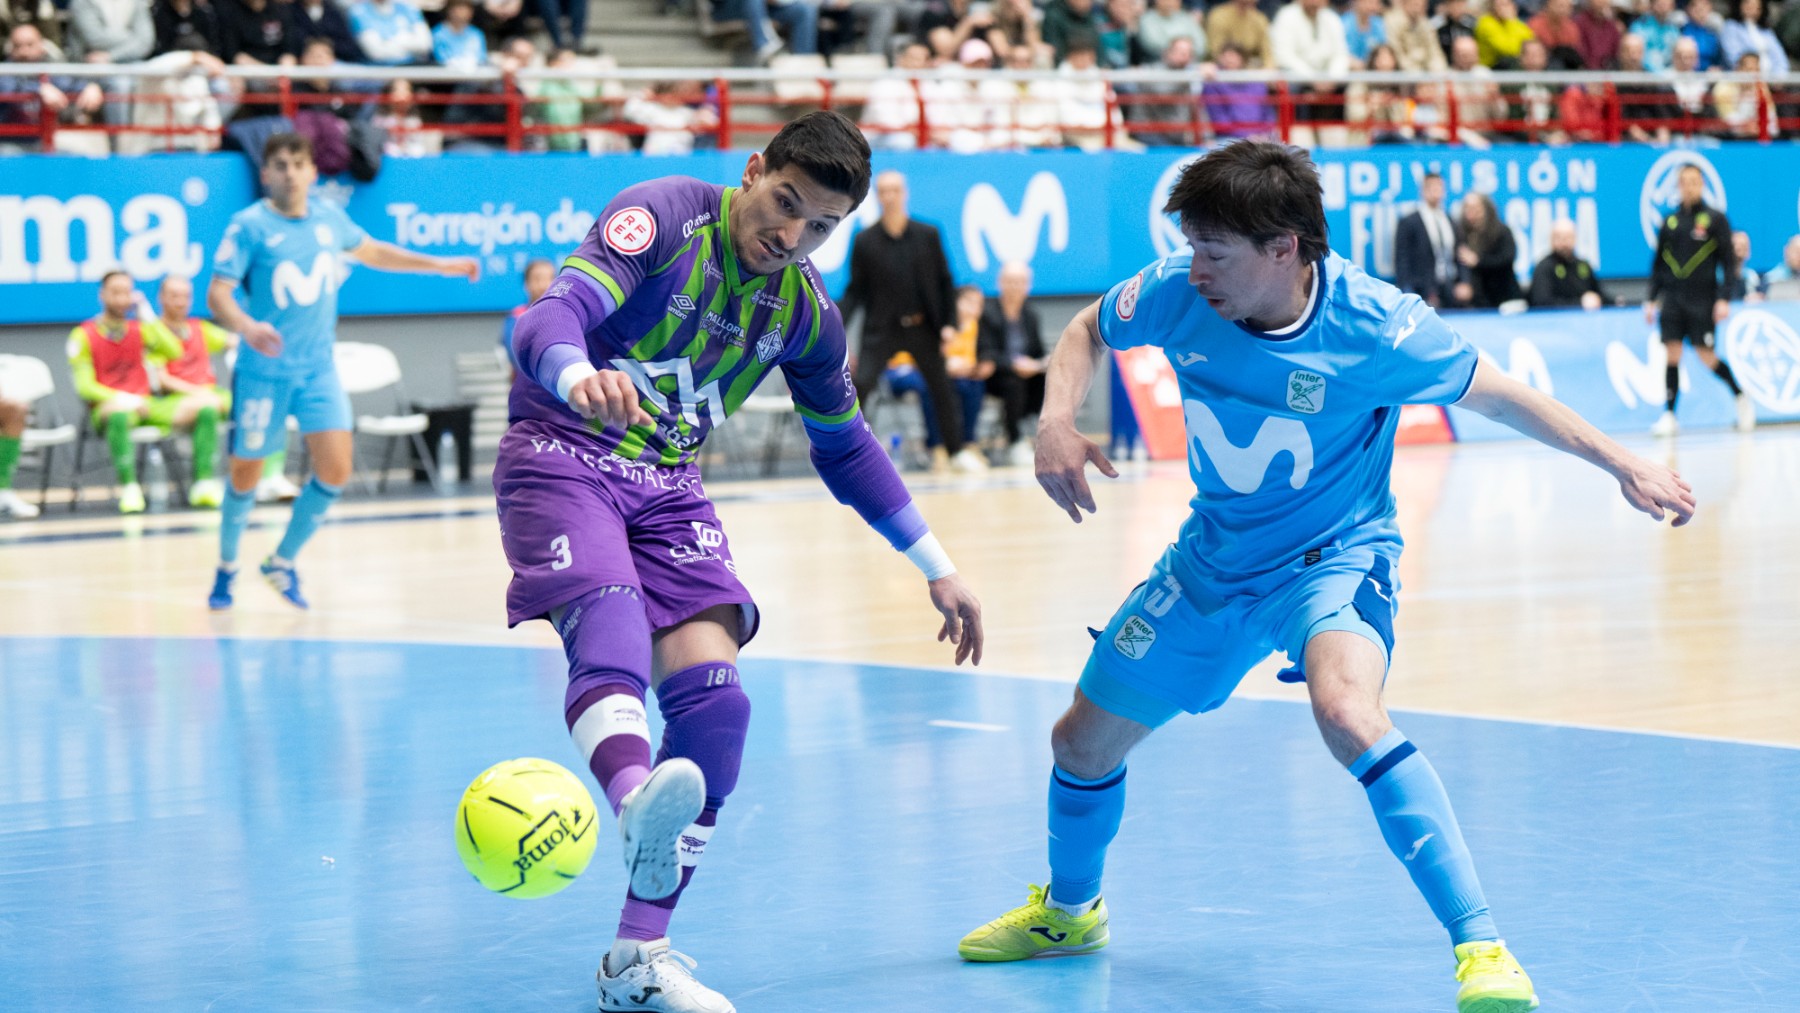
(651, 821)
(12, 506)
(1746, 413)
(1664, 425)
(658, 978)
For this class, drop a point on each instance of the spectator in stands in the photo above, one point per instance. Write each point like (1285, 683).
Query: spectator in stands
(968, 373)
(40, 14)
(900, 275)
(110, 31)
(1167, 102)
(392, 33)
(1787, 29)
(1425, 247)
(1600, 34)
(1693, 92)
(1500, 34)
(1581, 109)
(13, 416)
(1751, 285)
(324, 19)
(865, 26)
(1555, 26)
(1015, 24)
(108, 356)
(62, 96)
(1485, 249)
(891, 113)
(1478, 102)
(1562, 279)
(566, 21)
(1703, 24)
(1454, 21)
(1063, 18)
(1533, 105)
(1012, 341)
(1644, 109)
(187, 26)
(1307, 37)
(673, 112)
(1659, 27)
(1025, 112)
(563, 102)
(539, 273)
(1235, 109)
(799, 17)
(1783, 280)
(1380, 113)
(406, 133)
(1119, 47)
(1167, 21)
(1238, 24)
(334, 95)
(256, 34)
(1084, 112)
(1747, 110)
(456, 42)
(1415, 41)
(1748, 32)
(1365, 29)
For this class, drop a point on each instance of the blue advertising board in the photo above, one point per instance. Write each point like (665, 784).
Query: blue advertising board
(1082, 220)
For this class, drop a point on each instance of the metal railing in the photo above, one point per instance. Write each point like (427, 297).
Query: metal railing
(1125, 107)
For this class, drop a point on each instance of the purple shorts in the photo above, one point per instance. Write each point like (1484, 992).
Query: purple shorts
(574, 518)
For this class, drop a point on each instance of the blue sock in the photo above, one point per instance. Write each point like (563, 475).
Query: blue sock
(1084, 817)
(233, 515)
(309, 510)
(1420, 829)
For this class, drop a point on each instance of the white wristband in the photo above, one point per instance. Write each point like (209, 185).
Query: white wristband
(572, 374)
(930, 557)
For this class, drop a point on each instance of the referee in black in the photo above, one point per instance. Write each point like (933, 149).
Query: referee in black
(900, 278)
(1692, 249)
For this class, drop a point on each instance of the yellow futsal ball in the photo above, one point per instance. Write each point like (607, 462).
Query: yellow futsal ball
(525, 828)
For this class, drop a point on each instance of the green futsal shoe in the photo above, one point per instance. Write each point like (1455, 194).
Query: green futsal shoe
(1036, 930)
(1492, 980)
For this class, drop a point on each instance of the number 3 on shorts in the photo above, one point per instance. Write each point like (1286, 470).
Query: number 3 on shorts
(563, 560)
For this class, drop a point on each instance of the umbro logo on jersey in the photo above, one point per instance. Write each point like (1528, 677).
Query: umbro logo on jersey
(768, 346)
(1305, 392)
(681, 305)
(1189, 358)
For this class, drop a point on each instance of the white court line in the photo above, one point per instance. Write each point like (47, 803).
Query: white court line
(973, 726)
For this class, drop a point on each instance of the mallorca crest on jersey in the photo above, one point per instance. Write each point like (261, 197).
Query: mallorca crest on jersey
(769, 345)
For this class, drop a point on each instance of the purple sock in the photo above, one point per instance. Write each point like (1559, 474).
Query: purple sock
(606, 637)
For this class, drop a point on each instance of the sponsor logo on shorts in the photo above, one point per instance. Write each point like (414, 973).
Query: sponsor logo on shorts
(682, 479)
(707, 541)
(630, 230)
(1134, 638)
(1127, 302)
(1305, 392)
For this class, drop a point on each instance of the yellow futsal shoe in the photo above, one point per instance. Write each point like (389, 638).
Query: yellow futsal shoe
(1037, 929)
(1492, 980)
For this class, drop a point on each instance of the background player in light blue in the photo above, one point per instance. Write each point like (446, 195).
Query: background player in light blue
(1292, 364)
(286, 254)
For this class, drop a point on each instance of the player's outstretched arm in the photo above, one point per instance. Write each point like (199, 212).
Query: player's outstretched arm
(388, 257)
(1647, 485)
(1062, 452)
(221, 299)
(962, 616)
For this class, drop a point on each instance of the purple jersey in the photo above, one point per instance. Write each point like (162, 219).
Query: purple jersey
(694, 334)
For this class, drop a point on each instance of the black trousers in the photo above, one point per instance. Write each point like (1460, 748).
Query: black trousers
(1020, 396)
(878, 346)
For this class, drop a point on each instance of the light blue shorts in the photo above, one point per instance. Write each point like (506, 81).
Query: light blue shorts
(260, 407)
(1177, 645)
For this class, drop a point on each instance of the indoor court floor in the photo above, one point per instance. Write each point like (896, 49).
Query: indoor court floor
(254, 811)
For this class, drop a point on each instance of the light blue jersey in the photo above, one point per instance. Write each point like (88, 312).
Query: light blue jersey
(288, 271)
(1290, 435)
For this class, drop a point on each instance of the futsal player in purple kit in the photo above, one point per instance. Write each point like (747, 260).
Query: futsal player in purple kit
(683, 298)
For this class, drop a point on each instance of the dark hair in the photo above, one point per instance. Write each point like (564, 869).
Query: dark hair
(826, 146)
(1081, 39)
(536, 263)
(1690, 167)
(318, 40)
(1256, 190)
(1486, 236)
(966, 289)
(116, 273)
(1432, 174)
(295, 143)
(1762, 12)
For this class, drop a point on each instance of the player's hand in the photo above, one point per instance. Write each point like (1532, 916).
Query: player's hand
(962, 617)
(1062, 458)
(262, 336)
(1655, 488)
(1650, 312)
(1721, 310)
(611, 397)
(462, 267)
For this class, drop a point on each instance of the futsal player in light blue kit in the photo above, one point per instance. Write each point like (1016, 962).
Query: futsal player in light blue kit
(285, 253)
(1292, 364)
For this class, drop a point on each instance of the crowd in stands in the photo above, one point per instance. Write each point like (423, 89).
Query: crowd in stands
(946, 46)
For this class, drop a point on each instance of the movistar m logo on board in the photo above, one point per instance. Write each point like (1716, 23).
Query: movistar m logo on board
(987, 222)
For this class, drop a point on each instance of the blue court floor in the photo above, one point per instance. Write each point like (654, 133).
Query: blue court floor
(267, 825)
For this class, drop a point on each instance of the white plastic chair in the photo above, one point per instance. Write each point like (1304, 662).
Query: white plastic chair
(27, 379)
(366, 369)
(855, 91)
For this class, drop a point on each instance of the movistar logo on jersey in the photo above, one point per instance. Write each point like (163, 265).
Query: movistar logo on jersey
(1242, 468)
(292, 286)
